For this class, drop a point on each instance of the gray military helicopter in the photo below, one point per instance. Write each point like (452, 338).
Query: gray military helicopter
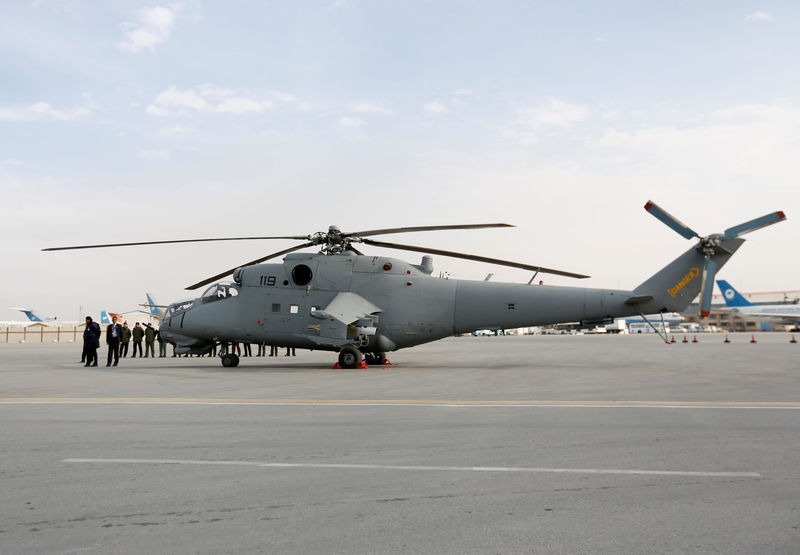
(362, 306)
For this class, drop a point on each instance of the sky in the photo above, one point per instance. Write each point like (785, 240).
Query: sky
(141, 121)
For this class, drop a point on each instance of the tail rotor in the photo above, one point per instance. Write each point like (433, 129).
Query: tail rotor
(710, 245)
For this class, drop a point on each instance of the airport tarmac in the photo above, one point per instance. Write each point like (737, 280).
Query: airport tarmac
(535, 444)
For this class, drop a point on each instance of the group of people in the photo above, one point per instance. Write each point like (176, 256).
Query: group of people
(119, 336)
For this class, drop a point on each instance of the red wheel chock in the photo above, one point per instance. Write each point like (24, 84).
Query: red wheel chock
(361, 366)
(386, 362)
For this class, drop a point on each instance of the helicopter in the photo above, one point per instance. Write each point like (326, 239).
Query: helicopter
(361, 306)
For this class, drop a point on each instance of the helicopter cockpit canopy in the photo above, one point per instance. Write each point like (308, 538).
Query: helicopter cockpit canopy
(219, 291)
(178, 307)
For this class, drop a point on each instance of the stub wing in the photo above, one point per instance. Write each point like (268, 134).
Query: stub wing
(345, 318)
(346, 308)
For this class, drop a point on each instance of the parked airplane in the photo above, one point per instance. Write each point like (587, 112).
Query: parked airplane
(736, 303)
(156, 310)
(33, 317)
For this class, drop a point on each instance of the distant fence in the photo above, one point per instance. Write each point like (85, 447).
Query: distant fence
(40, 334)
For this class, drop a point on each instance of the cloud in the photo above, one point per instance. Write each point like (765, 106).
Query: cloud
(42, 111)
(205, 99)
(351, 123)
(550, 116)
(153, 154)
(174, 98)
(284, 97)
(371, 108)
(335, 5)
(354, 128)
(554, 112)
(758, 16)
(755, 141)
(435, 108)
(153, 27)
(242, 105)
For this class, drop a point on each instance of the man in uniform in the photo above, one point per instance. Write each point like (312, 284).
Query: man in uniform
(162, 344)
(137, 334)
(113, 339)
(91, 341)
(149, 341)
(126, 339)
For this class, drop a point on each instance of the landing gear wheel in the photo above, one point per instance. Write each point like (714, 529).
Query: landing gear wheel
(230, 360)
(349, 357)
(375, 358)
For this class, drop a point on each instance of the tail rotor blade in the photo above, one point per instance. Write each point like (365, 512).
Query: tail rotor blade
(755, 224)
(709, 272)
(670, 220)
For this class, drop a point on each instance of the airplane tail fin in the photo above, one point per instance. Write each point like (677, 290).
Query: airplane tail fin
(30, 314)
(104, 319)
(732, 297)
(155, 309)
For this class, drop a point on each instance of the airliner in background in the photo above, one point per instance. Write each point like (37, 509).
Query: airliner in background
(736, 303)
(33, 317)
(154, 309)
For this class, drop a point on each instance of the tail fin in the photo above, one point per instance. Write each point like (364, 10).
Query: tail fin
(675, 287)
(29, 313)
(155, 310)
(732, 296)
(104, 319)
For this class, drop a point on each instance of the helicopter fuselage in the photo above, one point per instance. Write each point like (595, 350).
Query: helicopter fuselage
(388, 303)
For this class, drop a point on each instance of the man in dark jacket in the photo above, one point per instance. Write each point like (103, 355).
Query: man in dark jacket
(113, 339)
(138, 334)
(91, 341)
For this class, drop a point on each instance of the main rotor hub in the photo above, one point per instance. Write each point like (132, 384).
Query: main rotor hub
(332, 242)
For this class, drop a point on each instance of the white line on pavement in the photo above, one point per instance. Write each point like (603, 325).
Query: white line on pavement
(346, 466)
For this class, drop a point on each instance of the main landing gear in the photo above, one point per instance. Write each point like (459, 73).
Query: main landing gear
(350, 357)
(230, 360)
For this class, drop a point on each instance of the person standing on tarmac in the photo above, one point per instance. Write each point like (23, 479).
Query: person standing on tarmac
(149, 341)
(138, 334)
(91, 341)
(126, 339)
(113, 339)
(162, 344)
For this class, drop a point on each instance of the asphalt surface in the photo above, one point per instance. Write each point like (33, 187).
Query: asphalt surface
(585, 444)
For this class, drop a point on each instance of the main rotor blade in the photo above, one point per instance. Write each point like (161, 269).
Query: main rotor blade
(473, 257)
(256, 261)
(670, 220)
(706, 290)
(421, 228)
(297, 238)
(755, 224)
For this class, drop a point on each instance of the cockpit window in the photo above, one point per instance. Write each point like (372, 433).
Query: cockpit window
(219, 291)
(177, 308)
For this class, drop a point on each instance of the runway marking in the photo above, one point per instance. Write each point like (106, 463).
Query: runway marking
(400, 402)
(346, 466)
